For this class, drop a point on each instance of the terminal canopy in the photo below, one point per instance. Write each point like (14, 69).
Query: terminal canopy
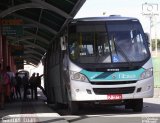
(36, 23)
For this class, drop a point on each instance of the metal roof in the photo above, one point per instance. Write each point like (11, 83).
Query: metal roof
(42, 21)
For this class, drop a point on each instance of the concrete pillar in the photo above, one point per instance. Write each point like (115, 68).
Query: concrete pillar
(4, 52)
(1, 51)
(9, 55)
(13, 68)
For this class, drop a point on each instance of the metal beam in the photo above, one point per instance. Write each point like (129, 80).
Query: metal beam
(39, 19)
(77, 7)
(29, 63)
(19, 7)
(19, 39)
(25, 26)
(40, 25)
(32, 56)
(31, 36)
(28, 50)
(34, 45)
(38, 37)
(36, 60)
(70, 2)
(52, 8)
(36, 4)
(34, 48)
(73, 12)
(31, 60)
(25, 38)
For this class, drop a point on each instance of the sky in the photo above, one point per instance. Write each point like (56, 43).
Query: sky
(129, 8)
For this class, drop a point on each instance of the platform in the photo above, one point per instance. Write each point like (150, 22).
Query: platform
(30, 111)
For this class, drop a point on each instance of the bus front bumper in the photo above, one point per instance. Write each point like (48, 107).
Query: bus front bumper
(82, 91)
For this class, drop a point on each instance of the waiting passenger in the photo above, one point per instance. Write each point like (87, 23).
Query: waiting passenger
(18, 86)
(2, 89)
(12, 82)
(38, 84)
(25, 86)
(32, 82)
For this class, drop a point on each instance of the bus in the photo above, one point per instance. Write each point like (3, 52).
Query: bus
(100, 60)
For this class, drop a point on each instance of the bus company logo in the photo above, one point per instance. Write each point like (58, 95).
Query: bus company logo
(113, 76)
(126, 76)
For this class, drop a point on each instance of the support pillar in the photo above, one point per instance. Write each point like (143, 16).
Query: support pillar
(1, 51)
(9, 55)
(5, 52)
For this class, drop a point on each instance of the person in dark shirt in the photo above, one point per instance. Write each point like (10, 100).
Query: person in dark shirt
(2, 89)
(18, 86)
(38, 83)
(25, 85)
(12, 83)
(32, 82)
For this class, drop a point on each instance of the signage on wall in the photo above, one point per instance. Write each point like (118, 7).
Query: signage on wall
(11, 27)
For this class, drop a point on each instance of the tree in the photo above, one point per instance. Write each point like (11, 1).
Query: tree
(153, 44)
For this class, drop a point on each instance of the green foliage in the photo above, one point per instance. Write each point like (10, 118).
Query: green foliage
(154, 45)
(156, 70)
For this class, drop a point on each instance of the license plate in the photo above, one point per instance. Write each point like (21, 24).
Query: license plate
(114, 97)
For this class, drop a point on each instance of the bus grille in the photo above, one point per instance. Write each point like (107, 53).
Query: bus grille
(124, 90)
(112, 83)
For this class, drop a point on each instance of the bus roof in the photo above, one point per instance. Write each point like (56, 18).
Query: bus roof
(108, 18)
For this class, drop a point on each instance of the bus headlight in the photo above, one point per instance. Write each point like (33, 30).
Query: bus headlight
(78, 76)
(147, 73)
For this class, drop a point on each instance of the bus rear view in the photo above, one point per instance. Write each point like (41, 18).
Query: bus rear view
(109, 62)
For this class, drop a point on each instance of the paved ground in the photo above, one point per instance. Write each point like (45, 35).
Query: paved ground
(29, 112)
(157, 92)
(38, 111)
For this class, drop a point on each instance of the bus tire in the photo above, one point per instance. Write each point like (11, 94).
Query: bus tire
(137, 105)
(73, 107)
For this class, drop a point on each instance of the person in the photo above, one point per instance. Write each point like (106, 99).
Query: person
(4, 82)
(123, 47)
(38, 84)
(32, 82)
(25, 86)
(12, 82)
(128, 48)
(2, 89)
(18, 86)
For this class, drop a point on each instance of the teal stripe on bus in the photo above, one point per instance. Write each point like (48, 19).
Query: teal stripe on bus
(113, 76)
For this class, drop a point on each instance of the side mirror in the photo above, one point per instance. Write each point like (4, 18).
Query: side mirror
(147, 37)
(63, 43)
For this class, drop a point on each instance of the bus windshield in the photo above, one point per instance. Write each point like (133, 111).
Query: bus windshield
(108, 42)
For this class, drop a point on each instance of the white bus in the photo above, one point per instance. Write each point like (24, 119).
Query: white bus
(105, 60)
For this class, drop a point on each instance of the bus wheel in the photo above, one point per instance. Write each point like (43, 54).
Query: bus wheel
(137, 105)
(73, 107)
